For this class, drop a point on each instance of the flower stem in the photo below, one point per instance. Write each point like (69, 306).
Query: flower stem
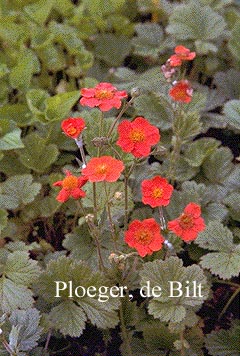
(124, 332)
(174, 159)
(229, 302)
(79, 143)
(112, 226)
(162, 219)
(182, 343)
(94, 232)
(125, 202)
(125, 107)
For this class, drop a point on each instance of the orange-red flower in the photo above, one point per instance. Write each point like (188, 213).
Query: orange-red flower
(105, 96)
(181, 54)
(189, 223)
(144, 236)
(156, 191)
(71, 187)
(73, 126)
(181, 91)
(137, 136)
(105, 168)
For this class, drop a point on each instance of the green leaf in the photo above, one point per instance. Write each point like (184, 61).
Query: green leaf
(227, 83)
(224, 342)
(16, 112)
(37, 154)
(112, 49)
(199, 150)
(36, 102)
(186, 22)
(3, 219)
(232, 201)
(233, 43)
(3, 70)
(12, 32)
(39, 11)
(75, 316)
(155, 108)
(163, 273)
(78, 309)
(52, 57)
(18, 273)
(59, 106)
(187, 125)
(18, 190)
(21, 75)
(218, 165)
(226, 261)
(232, 112)
(11, 140)
(157, 335)
(27, 322)
(148, 40)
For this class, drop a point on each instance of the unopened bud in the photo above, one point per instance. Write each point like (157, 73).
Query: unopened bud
(135, 92)
(89, 218)
(118, 195)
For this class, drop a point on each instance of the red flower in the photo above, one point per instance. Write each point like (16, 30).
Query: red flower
(104, 95)
(73, 126)
(137, 136)
(144, 236)
(156, 191)
(181, 91)
(181, 54)
(189, 224)
(105, 168)
(71, 187)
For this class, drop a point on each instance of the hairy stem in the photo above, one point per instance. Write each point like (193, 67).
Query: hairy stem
(229, 302)
(126, 340)
(95, 233)
(112, 226)
(125, 107)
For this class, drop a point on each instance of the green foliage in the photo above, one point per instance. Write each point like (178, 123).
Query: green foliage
(232, 112)
(49, 51)
(224, 342)
(18, 272)
(18, 190)
(148, 40)
(76, 310)
(38, 154)
(186, 22)
(225, 262)
(156, 108)
(199, 150)
(160, 273)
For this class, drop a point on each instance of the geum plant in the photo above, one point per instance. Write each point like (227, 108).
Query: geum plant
(132, 223)
(107, 177)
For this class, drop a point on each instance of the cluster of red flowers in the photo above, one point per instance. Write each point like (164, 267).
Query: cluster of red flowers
(181, 90)
(136, 137)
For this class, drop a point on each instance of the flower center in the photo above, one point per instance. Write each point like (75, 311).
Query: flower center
(137, 135)
(71, 130)
(101, 169)
(186, 221)
(143, 236)
(104, 94)
(157, 193)
(70, 182)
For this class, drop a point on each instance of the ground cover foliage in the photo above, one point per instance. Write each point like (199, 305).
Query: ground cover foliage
(50, 50)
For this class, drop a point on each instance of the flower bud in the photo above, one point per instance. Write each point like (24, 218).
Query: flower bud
(89, 218)
(135, 92)
(118, 195)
